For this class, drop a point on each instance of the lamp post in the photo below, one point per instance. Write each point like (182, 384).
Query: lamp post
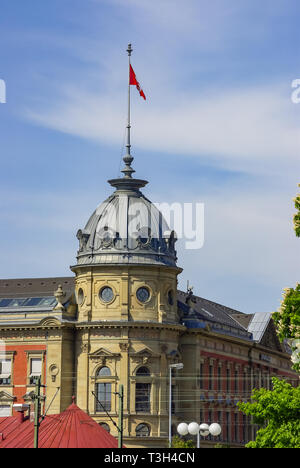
(172, 366)
(195, 429)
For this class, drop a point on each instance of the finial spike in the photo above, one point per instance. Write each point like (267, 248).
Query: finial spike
(127, 171)
(129, 49)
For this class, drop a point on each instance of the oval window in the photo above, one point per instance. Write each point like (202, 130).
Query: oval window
(143, 294)
(106, 294)
(80, 296)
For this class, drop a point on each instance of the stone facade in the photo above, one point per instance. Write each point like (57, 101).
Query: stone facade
(121, 320)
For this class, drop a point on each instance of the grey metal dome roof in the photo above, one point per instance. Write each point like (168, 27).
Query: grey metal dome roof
(126, 229)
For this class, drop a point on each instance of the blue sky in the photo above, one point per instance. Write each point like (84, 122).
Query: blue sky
(218, 127)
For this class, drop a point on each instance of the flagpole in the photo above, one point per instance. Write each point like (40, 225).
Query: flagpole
(128, 145)
(129, 50)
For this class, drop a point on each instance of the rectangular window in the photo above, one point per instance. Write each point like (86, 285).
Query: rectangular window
(244, 428)
(228, 427)
(5, 371)
(103, 401)
(173, 393)
(220, 421)
(236, 427)
(236, 381)
(228, 380)
(142, 397)
(35, 369)
(5, 411)
(219, 378)
(201, 375)
(210, 377)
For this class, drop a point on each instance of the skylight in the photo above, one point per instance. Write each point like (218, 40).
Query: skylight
(28, 302)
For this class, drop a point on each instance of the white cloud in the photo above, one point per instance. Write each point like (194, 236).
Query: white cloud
(248, 129)
(250, 252)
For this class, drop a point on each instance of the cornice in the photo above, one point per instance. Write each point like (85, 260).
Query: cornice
(124, 324)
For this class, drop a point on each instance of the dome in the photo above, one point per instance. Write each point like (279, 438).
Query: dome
(126, 229)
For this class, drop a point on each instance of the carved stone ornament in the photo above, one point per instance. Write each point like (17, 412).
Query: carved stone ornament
(60, 295)
(102, 360)
(142, 357)
(84, 347)
(103, 356)
(53, 371)
(83, 237)
(124, 347)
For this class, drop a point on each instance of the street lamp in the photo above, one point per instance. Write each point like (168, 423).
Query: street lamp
(195, 429)
(177, 366)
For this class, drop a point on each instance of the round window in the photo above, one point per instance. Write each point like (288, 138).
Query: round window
(143, 294)
(80, 296)
(106, 294)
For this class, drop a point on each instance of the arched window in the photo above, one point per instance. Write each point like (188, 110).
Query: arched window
(103, 372)
(105, 426)
(142, 371)
(103, 390)
(142, 430)
(142, 390)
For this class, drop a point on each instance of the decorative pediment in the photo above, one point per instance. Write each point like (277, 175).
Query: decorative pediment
(143, 356)
(102, 355)
(29, 397)
(102, 352)
(50, 322)
(5, 396)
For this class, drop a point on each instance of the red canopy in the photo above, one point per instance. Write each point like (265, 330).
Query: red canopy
(71, 429)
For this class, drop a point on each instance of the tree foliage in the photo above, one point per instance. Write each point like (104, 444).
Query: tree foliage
(287, 318)
(277, 413)
(177, 442)
(296, 218)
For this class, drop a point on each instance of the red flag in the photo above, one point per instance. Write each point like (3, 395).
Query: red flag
(134, 81)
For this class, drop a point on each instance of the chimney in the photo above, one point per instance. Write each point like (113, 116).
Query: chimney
(20, 408)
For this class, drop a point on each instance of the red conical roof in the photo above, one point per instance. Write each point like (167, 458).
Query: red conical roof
(71, 429)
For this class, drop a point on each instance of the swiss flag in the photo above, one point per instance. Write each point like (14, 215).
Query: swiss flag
(134, 81)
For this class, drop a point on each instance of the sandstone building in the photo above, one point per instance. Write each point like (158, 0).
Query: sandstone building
(121, 319)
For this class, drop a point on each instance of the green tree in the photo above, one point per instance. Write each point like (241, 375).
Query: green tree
(296, 218)
(287, 318)
(277, 412)
(177, 442)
